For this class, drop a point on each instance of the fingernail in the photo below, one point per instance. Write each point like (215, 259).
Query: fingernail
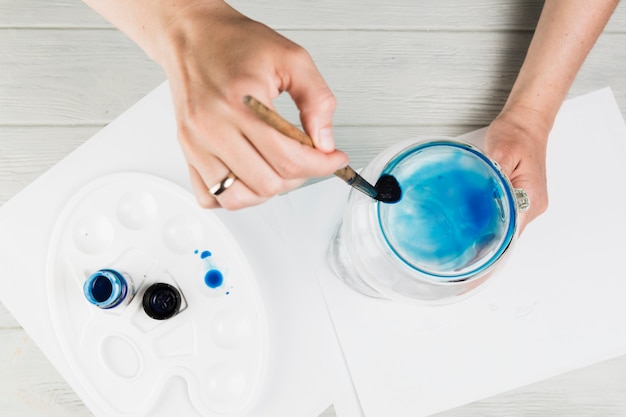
(326, 140)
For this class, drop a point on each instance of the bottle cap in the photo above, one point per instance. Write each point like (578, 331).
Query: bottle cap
(161, 301)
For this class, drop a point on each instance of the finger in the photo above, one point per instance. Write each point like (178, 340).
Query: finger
(509, 165)
(523, 222)
(203, 196)
(316, 102)
(230, 195)
(217, 185)
(537, 195)
(214, 148)
(233, 197)
(289, 158)
(239, 196)
(253, 167)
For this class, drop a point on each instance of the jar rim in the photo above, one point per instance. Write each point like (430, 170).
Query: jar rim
(482, 265)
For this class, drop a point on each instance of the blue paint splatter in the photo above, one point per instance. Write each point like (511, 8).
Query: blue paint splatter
(205, 254)
(196, 251)
(213, 278)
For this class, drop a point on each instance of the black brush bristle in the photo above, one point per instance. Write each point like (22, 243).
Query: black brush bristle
(388, 189)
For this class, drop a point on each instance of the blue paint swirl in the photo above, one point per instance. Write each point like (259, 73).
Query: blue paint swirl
(455, 212)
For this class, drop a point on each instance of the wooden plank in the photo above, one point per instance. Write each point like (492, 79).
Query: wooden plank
(75, 76)
(27, 152)
(48, 13)
(322, 14)
(406, 14)
(479, 15)
(30, 386)
(7, 321)
(91, 76)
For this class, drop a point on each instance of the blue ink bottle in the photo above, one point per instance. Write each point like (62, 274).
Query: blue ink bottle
(108, 288)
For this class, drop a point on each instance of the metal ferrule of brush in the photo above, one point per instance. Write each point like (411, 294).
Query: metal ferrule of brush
(356, 181)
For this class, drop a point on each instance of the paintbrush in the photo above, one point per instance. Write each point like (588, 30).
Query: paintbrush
(386, 190)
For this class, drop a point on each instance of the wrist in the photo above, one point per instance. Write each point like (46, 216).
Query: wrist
(174, 26)
(526, 121)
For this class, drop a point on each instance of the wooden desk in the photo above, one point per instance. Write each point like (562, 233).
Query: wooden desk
(399, 69)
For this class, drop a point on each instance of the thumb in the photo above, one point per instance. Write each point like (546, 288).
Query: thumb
(316, 115)
(315, 101)
(503, 154)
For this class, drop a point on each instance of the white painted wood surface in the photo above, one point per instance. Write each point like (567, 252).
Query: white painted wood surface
(399, 68)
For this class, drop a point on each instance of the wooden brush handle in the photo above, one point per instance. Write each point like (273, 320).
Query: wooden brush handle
(274, 120)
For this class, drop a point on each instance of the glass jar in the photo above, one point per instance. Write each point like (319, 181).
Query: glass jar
(453, 228)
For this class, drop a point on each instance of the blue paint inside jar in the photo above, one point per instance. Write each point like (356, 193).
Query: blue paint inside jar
(106, 288)
(205, 254)
(101, 289)
(457, 213)
(213, 278)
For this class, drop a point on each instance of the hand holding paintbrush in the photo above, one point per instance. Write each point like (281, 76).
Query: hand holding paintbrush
(386, 190)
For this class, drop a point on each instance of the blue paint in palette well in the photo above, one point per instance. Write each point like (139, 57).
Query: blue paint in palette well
(213, 278)
(456, 213)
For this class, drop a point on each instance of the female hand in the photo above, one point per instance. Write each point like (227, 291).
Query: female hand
(518, 137)
(215, 56)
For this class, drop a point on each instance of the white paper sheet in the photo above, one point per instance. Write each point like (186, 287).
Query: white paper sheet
(558, 305)
(144, 140)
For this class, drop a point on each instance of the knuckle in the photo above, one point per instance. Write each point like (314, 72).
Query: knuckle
(298, 53)
(327, 100)
(234, 91)
(232, 204)
(206, 202)
(290, 168)
(269, 187)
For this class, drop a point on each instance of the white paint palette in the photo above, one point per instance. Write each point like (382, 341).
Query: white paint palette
(212, 354)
